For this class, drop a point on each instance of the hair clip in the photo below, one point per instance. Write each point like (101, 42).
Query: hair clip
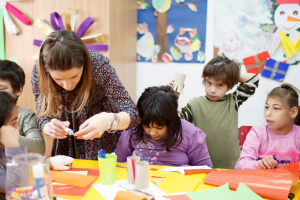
(218, 63)
(54, 39)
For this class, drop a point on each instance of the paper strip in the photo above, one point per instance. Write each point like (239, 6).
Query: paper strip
(60, 25)
(70, 19)
(257, 64)
(2, 41)
(18, 14)
(9, 24)
(37, 43)
(84, 26)
(97, 47)
(130, 176)
(275, 70)
(43, 26)
(98, 38)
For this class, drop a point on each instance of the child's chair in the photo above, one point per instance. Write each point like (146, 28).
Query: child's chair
(243, 132)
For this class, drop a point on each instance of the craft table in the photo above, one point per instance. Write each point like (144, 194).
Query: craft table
(174, 181)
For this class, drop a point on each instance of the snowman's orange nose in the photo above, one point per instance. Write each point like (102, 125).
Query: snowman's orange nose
(293, 19)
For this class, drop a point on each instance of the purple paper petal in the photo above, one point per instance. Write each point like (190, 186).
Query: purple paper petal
(60, 25)
(84, 26)
(37, 43)
(97, 47)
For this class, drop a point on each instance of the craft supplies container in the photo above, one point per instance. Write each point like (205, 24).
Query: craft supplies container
(107, 169)
(28, 177)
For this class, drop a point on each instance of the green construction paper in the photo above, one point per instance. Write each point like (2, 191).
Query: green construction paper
(194, 38)
(223, 192)
(2, 45)
(246, 193)
(13, 59)
(175, 52)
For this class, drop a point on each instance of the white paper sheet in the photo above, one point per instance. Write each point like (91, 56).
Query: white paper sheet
(181, 169)
(109, 192)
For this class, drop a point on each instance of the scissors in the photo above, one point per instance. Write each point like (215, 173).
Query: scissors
(101, 153)
(291, 196)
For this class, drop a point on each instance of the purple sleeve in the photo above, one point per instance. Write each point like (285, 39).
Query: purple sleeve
(197, 152)
(42, 121)
(124, 147)
(249, 155)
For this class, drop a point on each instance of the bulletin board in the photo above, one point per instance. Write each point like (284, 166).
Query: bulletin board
(169, 35)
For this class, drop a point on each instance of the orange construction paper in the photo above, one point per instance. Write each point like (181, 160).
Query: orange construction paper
(75, 190)
(197, 171)
(122, 195)
(72, 179)
(270, 183)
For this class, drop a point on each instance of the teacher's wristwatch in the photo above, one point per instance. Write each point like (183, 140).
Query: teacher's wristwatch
(115, 123)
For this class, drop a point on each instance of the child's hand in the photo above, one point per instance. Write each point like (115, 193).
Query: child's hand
(171, 83)
(268, 162)
(9, 136)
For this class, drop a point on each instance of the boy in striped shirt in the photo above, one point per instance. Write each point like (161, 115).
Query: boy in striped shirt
(216, 113)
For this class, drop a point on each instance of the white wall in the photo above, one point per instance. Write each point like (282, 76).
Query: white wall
(250, 113)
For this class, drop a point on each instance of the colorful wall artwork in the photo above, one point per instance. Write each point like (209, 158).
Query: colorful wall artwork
(171, 31)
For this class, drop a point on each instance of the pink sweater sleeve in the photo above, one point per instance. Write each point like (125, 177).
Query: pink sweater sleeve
(249, 155)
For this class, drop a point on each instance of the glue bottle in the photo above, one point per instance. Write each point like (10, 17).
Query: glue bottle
(39, 177)
(69, 131)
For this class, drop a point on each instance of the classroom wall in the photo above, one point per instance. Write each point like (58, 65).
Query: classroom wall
(250, 113)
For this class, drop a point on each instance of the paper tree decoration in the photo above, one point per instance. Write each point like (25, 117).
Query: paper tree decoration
(9, 24)
(70, 25)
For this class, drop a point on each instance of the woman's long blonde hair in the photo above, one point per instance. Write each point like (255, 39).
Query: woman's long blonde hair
(62, 50)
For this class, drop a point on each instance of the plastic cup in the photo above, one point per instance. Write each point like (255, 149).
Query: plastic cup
(107, 169)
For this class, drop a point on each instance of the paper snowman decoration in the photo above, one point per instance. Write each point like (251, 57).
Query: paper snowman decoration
(287, 19)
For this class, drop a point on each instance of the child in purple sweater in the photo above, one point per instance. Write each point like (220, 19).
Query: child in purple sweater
(277, 142)
(163, 138)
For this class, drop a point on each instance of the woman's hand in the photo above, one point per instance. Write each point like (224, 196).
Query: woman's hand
(9, 136)
(55, 129)
(268, 162)
(94, 127)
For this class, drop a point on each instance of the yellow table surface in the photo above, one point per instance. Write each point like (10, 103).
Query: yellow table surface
(174, 181)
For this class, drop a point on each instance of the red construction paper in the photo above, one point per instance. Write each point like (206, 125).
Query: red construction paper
(74, 190)
(177, 197)
(250, 61)
(268, 183)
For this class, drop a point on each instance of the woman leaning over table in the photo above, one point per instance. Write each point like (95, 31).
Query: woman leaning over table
(79, 89)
